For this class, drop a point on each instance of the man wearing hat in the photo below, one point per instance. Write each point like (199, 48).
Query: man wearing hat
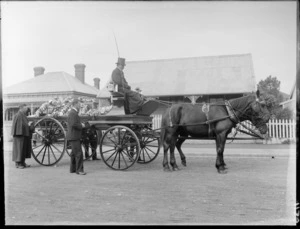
(21, 131)
(134, 98)
(73, 136)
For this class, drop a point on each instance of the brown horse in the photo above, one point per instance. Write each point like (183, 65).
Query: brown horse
(213, 120)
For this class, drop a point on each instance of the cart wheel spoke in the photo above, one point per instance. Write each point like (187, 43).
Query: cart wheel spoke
(53, 153)
(56, 148)
(107, 151)
(124, 160)
(48, 154)
(111, 156)
(37, 146)
(44, 154)
(149, 146)
(146, 150)
(114, 159)
(40, 151)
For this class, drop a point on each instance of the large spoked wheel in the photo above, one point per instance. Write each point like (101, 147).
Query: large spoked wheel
(150, 146)
(48, 141)
(119, 147)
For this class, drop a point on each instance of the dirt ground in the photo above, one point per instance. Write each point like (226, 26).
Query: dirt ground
(257, 190)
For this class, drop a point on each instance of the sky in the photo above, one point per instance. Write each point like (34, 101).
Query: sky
(57, 35)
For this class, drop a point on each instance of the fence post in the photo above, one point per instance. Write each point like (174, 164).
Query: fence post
(276, 129)
(294, 129)
(290, 128)
(269, 128)
(284, 128)
(156, 121)
(280, 128)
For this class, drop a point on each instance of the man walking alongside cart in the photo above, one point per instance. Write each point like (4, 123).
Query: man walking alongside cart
(21, 132)
(73, 136)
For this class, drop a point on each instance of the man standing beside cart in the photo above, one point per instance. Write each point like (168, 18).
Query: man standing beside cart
(21, 132)
(73, 136)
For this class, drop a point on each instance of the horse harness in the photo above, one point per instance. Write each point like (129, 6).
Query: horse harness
(205, 109)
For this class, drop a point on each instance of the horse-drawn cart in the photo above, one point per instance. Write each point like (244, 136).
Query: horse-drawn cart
(122, 140)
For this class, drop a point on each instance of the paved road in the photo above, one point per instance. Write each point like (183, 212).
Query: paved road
(257, 190)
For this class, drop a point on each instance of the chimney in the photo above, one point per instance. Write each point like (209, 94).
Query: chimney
(38, 71)
(79, 72)
(97, 83)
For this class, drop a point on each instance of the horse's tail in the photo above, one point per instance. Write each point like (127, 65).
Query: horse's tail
(170, 118)
(163, 128)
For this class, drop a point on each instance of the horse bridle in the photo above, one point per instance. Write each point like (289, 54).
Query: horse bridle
(235, 117)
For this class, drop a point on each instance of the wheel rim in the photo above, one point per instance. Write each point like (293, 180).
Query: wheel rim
(49, 143)
(150, 146)
(119, 148)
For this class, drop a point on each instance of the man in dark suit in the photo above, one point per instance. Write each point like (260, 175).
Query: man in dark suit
(135, 100)
(73, 136)
(21, 131)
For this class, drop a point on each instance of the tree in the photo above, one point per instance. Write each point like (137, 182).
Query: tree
(285, 113)
(270, 88)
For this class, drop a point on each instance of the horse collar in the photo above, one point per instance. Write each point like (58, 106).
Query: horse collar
(205, 108)
(232, 115)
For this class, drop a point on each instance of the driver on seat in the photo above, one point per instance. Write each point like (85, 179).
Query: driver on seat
(135, 100)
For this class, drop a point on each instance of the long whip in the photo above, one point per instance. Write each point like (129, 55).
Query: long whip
(116, 44)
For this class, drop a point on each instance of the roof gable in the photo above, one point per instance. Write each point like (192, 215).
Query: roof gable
(51, 82)
(191, 76)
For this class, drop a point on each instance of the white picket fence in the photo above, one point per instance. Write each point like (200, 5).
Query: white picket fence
(282, 129)
(277, 128)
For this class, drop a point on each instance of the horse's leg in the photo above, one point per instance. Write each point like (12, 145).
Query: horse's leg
(178, 146)
(220, 144)
(166, 147)
(172, 155)
(222, 158)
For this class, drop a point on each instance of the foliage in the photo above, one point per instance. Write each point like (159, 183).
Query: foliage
(288, 141)
(271, 86)
(285, 113)
(270, 89)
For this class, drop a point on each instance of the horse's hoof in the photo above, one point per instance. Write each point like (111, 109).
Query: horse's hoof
(183, 163)
(167, 170)
(176, 169)
(222, 171)
(223, 167)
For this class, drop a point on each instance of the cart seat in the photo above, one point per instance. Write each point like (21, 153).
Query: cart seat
(114, 92)
(147, 108)
(115, 95)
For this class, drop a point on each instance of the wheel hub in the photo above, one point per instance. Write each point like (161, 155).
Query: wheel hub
(119, 148)
(47, 141)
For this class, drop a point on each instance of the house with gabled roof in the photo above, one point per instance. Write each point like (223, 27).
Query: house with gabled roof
(194, 79)
(290, 103)
(46, 86)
